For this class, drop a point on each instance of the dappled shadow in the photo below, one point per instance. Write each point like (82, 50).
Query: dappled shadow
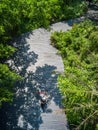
(46, 78)
(23, 57)
(24, 112)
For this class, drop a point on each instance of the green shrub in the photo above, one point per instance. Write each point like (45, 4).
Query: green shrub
(94, 41)
(78, 84)
(6, 51)
(7, 80)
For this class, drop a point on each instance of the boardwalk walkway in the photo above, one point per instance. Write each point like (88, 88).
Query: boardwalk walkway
(53, 118)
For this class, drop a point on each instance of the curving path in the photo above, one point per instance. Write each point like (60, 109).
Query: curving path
(39, 40)
(37, 61)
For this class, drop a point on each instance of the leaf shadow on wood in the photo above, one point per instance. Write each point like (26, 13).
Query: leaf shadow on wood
(24, 112)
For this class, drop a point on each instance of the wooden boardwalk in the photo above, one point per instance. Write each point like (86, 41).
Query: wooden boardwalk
(53, 118)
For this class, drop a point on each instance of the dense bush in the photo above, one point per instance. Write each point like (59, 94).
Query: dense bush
(6, 51)
(7, 80)
(94, 41)
(78, 48)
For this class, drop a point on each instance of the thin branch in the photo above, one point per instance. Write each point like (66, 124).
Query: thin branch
(86, 119)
